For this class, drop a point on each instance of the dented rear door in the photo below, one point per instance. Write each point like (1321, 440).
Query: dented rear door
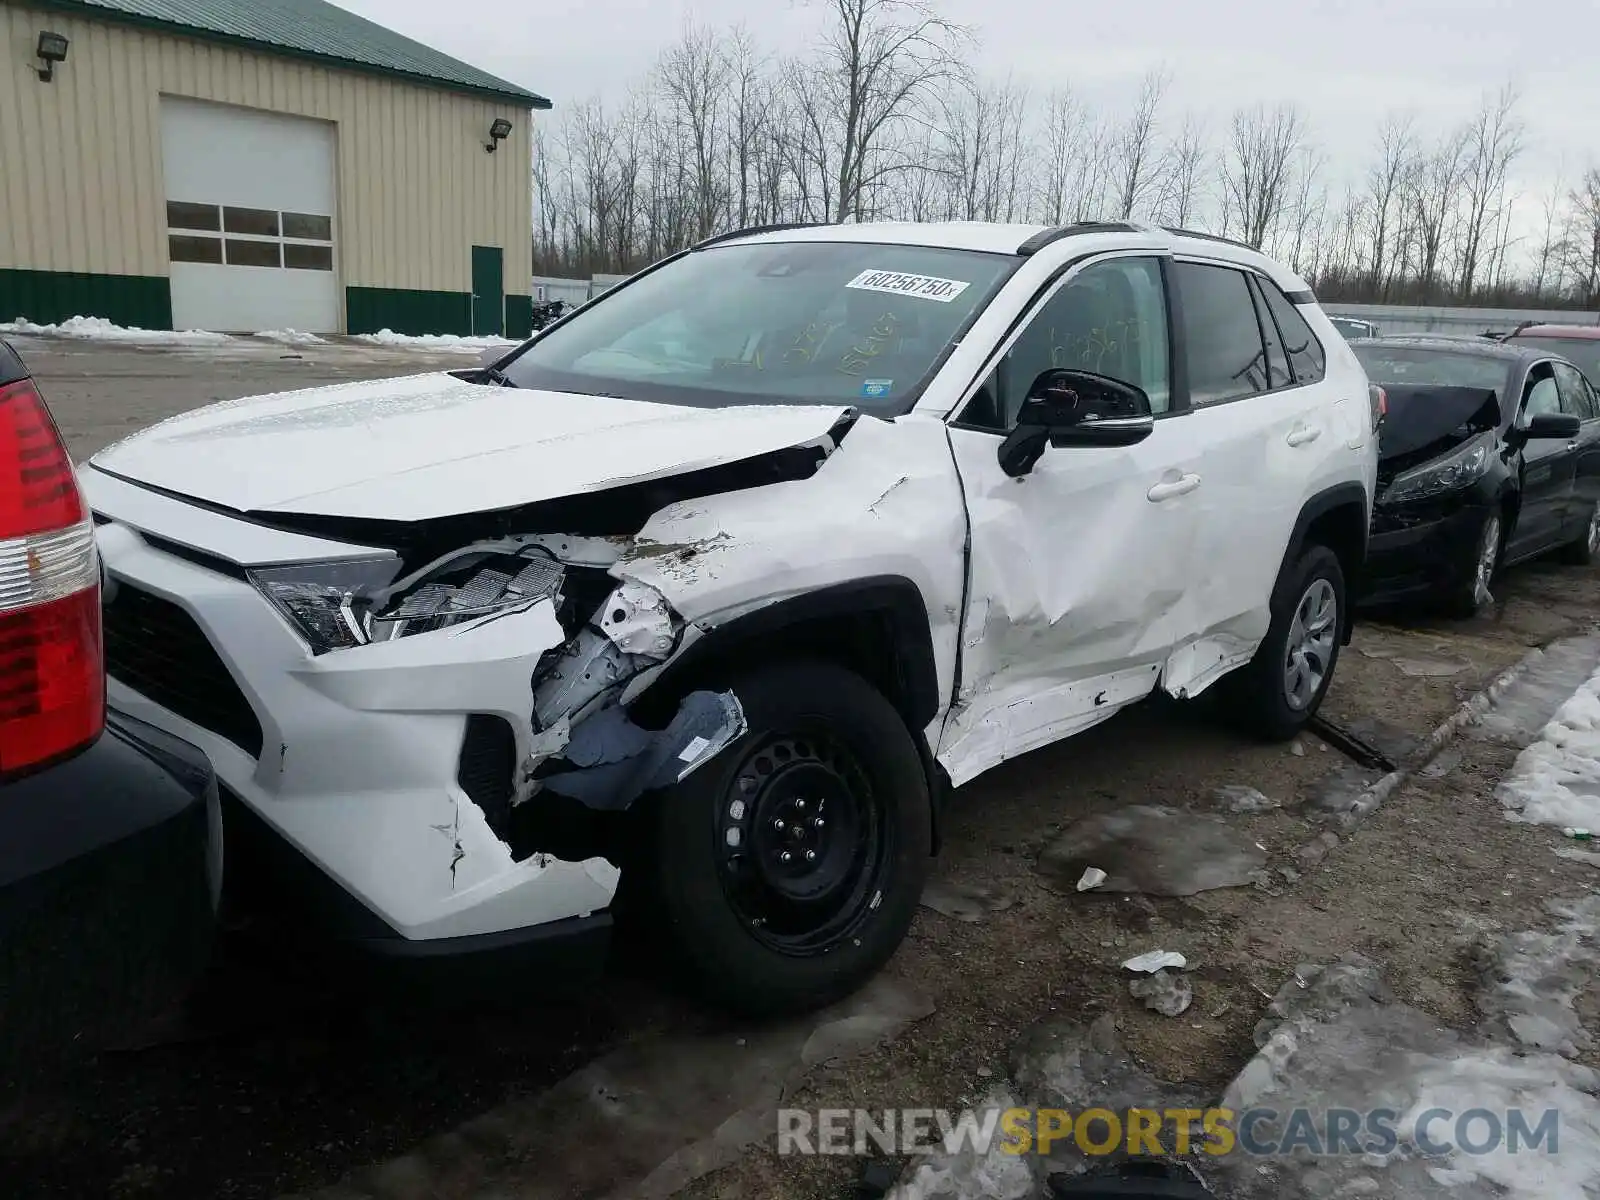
(1081, 571)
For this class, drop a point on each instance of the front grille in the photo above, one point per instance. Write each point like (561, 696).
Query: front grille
(155, 647)
(488, 757)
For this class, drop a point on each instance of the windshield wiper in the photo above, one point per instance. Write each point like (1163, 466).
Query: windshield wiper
(497, 377)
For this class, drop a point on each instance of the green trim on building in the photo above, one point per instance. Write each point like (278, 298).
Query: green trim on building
(519, 316)
(372, 310)
(310, 30)
(50, 297)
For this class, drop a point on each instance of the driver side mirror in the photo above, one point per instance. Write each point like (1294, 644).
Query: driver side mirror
(1552, 427)
(1075, 408)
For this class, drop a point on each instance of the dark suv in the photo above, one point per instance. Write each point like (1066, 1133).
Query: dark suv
(110, 844)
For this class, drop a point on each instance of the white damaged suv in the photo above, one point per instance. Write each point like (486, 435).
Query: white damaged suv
(708, 593)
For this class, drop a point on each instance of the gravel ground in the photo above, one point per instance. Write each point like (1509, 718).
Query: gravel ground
(299, 1087)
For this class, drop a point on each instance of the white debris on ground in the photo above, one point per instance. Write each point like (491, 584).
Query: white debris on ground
(98, 329)
(1556, 779)
(433, 341)
(291, 337)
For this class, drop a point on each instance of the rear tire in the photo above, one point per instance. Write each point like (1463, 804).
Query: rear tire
(1279, 691)
(787, 871)
(1583, 550)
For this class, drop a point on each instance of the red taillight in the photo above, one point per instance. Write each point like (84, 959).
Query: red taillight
(52, 669)
(1380, 403)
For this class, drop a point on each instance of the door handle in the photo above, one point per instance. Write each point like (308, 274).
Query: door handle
(1181, 486)
(1301, 434)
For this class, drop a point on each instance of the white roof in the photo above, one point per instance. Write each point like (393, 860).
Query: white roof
(997, 238)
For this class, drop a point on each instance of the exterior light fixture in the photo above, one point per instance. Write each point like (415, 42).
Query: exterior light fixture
(52, 48)
(498, 132)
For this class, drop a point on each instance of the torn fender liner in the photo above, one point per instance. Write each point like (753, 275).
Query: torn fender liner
(615, 761)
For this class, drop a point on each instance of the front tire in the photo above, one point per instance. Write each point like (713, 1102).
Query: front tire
(1277, 694)
(788, 870)
(1473, 596)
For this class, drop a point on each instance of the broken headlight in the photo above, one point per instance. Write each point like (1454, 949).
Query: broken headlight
(1458, 470)
(351, 603)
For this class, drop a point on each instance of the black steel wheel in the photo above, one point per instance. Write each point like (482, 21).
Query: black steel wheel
(788, 870)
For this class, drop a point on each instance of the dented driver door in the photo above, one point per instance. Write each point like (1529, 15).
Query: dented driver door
(1081, 570)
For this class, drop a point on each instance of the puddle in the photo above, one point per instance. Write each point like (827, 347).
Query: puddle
(648, 1118)
(964, 902)
(1156, 850)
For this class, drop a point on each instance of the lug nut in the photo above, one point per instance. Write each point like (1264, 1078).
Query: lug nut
(785, 857)
(777, 824)
(800, 805)
(816, 823)
(811, 856)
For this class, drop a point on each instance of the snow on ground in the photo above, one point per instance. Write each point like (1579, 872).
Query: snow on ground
(291, 337)
(1556, 779)
(434, 341)
(98, 329)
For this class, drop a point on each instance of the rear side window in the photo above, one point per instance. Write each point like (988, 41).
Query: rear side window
(1227, 359)
(1306, 357)
(1575, 397)
(1277, 362)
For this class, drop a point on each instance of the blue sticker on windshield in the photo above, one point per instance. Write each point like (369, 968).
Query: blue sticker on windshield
(874, 389)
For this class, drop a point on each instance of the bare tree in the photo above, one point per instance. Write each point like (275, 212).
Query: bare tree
(1492, 140)
(1068, 157)
(880, 65)
(1583, 239)
(1186, 171)
(1382, 200)
(980, 151)
(1431, 193)
(1256, 175)
(1136, 160)
(1550, 262)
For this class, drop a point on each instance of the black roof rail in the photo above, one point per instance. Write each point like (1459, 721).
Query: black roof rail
(752, 230)
(1209, 237)
(1044, 237)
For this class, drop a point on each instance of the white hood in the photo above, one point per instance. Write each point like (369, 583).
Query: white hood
(434, 445)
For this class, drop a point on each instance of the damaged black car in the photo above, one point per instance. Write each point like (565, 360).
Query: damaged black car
(1489, 456)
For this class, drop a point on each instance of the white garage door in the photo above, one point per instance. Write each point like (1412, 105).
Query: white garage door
(249, 219)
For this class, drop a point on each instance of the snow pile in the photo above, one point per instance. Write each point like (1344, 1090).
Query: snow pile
(434, 341)
(1556, 779)
(98, 329)
(291, 337)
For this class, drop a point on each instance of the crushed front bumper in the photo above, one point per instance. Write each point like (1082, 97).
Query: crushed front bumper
(1419, 552)
(358, 761)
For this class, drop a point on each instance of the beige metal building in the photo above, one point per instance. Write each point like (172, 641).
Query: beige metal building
(246, 165)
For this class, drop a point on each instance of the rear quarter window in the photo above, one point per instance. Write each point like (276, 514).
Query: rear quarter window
(1307, 359)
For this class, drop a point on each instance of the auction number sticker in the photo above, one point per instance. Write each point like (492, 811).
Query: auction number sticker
(924, 287)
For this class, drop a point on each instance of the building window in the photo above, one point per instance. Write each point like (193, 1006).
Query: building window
(257, 237)
(307, 227)
(193, 216)
(298, 257)
(194, 249)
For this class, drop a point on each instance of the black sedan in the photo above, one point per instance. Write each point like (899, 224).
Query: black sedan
(1489, 455)
(110, 843)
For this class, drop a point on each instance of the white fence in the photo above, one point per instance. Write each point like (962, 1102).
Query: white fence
(1403, 318)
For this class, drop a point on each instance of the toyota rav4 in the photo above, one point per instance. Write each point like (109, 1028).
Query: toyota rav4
(705, 595)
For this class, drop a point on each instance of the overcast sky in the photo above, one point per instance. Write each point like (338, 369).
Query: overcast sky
(1346, 62)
